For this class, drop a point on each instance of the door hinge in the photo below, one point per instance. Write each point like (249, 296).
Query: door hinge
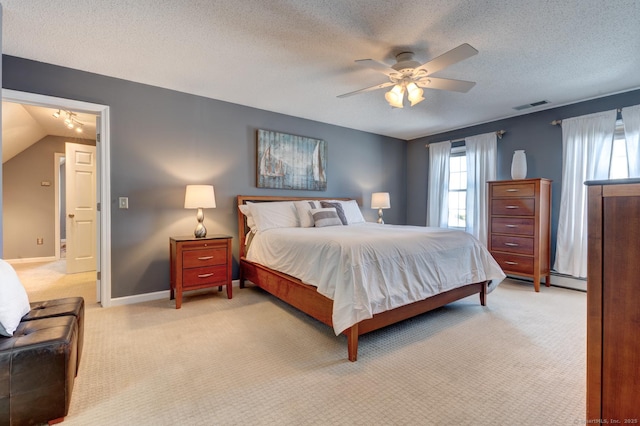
(98, 275)
(98, 207)
(98, 137)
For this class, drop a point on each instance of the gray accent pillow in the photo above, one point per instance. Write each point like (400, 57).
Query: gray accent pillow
(339, 210)
(325, 217)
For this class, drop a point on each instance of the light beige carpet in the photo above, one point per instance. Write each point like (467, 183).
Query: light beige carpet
(253, 360)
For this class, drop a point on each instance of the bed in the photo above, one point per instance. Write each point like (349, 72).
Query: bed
(381, 286)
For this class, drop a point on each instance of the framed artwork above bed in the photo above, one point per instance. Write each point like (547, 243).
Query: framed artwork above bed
(290, 162)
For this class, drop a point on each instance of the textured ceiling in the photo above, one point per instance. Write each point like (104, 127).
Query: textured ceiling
(296, 56)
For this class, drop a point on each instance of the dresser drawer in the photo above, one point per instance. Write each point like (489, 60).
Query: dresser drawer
(204, 257)
(512, 225)
(514, 207)
(514, 263)
(207, 275)
(511, 244)
(513, 190)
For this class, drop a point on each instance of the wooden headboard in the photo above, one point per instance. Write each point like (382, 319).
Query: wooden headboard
(243, 199)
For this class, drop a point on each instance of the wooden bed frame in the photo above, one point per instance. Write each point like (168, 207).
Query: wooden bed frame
(306, 298)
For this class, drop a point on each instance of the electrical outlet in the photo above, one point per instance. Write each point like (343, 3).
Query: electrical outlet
(39, 241)
(123, 202)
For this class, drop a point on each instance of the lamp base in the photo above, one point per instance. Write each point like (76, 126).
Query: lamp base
(380, 221)
(200, 231)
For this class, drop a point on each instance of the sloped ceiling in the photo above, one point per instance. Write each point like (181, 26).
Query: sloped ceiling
(296, 56)
(24, 125)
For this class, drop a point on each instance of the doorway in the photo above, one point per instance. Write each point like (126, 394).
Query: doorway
(102, 181)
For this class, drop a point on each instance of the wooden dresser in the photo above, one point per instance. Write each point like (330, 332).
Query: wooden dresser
(613, 301)
(519, 227)
(199, 263)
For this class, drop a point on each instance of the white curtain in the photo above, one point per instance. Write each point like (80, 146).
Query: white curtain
(482, 154)
(438, 195)
(586, 154)
(631, 121)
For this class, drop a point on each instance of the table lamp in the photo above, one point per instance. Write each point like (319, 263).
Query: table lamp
(200, 197)
(380, 200)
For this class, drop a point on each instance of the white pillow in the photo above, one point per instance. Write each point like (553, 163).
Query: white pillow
(327, 216)
(244, 209)
(278, 214)
(14, 302)
(303, 209)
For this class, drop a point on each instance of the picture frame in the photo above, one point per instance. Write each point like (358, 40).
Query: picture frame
(287, 161)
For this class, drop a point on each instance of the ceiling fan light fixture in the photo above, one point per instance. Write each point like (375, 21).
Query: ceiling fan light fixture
(395, 96)
(414, 93)
(56, 114)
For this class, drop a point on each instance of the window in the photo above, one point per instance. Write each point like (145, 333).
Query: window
(619, 168)
(457, 188)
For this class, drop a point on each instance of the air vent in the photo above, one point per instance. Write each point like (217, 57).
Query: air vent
(531, 105)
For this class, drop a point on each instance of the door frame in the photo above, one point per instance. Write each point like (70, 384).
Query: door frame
(103, 184)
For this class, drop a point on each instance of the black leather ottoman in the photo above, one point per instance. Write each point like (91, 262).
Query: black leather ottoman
(61, 307)
(37, 371)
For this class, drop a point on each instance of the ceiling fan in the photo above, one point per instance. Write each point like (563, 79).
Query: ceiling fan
(409, 76)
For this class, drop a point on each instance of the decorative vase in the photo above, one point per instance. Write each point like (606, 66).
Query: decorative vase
(519, 165)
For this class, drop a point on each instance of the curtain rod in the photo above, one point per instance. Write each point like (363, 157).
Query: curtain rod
(499, 134)
(558, 122)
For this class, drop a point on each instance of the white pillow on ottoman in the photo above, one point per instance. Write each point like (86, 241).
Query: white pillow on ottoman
(14, 302)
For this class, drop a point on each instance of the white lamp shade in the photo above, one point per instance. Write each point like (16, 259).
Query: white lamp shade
(199, 196)
(415, 94)
(394, 96)
(380, 200)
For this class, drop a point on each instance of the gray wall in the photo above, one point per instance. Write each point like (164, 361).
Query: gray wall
(532, 132)
(29, 207)
(162, 140)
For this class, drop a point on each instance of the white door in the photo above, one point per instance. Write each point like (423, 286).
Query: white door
(80, 177)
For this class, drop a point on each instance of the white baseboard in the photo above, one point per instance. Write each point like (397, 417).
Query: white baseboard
(147, 297)
(31, 260)
(558, 280)
(568, 282)
(139, 298)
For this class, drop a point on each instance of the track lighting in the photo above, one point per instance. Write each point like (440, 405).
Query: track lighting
(71, 122)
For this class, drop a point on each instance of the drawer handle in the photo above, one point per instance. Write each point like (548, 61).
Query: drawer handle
(205, 275)
(512, 190)
(512, 207)
(511, 244)
(511, 226)
(205, 258)
(510, 263)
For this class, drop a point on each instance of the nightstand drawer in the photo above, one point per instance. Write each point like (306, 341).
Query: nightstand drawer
(513, 190)
(204, 257)
(514, 207)
(203, 276)
(510, 244)
(512, 225)
(514, 263)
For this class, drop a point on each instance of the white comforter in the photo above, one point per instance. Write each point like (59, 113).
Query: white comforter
(369, 268)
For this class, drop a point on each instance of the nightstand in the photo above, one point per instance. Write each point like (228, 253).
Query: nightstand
(198, 263)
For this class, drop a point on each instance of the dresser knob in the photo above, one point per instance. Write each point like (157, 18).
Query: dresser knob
(205, 258)
(511, 244)
(510, 263)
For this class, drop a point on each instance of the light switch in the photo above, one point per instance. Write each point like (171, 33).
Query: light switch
(123, 202)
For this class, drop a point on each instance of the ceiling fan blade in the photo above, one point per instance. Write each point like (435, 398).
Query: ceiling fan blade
(367, 89)
(378, 66)
(451, 57)
(446, 84)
